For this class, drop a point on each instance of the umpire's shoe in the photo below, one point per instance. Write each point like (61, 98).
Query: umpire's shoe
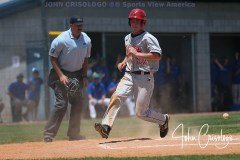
(103, 129)
(48, 139)
(164, 127)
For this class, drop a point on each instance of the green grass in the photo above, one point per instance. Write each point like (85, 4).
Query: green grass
(123, 127)
(215, 122)
(194, 157)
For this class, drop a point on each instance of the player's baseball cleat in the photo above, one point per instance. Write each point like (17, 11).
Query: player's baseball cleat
(104, 130)
(164, 127)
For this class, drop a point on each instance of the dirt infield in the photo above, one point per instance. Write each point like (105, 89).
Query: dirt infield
(123, 147)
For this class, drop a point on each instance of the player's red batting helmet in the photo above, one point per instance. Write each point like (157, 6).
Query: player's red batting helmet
(138, 14)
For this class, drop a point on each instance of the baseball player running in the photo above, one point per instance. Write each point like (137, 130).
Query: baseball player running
(142, 61)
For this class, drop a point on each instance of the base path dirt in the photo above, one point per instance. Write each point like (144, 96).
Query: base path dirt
(123, 147)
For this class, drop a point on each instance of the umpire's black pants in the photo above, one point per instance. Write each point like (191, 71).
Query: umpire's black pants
(59, 111)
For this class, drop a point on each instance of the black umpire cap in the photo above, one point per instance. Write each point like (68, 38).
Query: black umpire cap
(76, 20)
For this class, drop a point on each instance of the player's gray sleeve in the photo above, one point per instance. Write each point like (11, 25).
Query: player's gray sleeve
(56, 47)
(153, 45)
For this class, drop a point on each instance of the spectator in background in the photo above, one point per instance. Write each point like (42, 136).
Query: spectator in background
(104, 72)
(236, 80)
(112, 85)
(172, 78)
(224, 81)
(17, 91)
(129, 101)
(175, 74)
(1, 109)
(213, 70)
(96, 64)
(101, 68)
(34, 85)
(214, 89)
(91, 64)
(159, 82)
(96, 94)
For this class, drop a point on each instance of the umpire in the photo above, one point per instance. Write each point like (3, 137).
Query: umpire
(69, 55)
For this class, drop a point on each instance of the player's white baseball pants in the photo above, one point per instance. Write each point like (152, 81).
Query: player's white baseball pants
(141, 86)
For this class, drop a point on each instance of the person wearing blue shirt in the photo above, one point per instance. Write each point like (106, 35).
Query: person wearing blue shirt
(214, 89)
(224, 81)
(175, 71)
(34, 85)
(17, 91)
(173, 81)
(101, 68)
(159, 82)
(112, 87)
(105, 72)
(213, 70)
(236, 80)
(96, 94)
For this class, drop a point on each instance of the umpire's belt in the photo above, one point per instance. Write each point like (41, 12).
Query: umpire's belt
(138, 72)
(76, 74)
